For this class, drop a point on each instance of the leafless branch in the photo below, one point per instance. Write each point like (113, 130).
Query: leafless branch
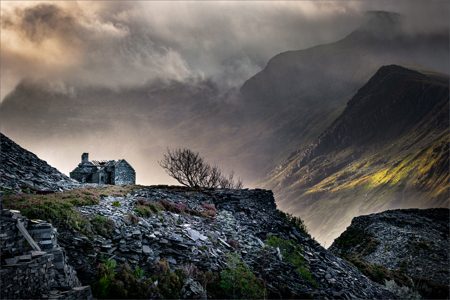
(190, 169)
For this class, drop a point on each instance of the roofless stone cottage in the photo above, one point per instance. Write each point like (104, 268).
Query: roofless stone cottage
(104, 172)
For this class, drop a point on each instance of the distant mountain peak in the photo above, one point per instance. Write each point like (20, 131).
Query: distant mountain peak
(381, 24)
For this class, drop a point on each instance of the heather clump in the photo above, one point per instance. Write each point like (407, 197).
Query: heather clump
(292, 252)
(57, 207)
(123, 283)
(237, 281)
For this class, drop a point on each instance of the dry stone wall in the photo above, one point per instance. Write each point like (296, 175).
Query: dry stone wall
(27, 275)
(41, 273)
(11, 241)
(45, 236)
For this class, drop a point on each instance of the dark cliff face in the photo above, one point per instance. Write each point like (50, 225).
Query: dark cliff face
(412, 241)
(393, 101)
(388, 149)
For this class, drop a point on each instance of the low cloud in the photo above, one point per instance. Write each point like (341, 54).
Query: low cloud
(118, 44)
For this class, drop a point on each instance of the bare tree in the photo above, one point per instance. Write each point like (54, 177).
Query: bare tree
(190, 169)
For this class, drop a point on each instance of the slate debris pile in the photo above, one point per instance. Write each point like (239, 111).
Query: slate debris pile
(416, 240)
(22, 170)
(75, 293)
(244, 220)
(45, 235)
(40, 273)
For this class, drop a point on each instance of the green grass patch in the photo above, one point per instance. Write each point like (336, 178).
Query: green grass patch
(292, 253)
(103, 226)
(355, 241)
(143, 211)
(294, 221)
(58, 208)
(379, 273)
(236, 281)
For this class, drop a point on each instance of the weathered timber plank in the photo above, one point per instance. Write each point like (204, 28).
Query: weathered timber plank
(27, 236)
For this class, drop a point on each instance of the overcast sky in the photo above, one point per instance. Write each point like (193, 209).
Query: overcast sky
(66, 45)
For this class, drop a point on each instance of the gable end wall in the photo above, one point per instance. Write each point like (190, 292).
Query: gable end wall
(124, 174)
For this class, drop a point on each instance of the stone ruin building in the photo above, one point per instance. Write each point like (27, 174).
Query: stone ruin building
(104, 172)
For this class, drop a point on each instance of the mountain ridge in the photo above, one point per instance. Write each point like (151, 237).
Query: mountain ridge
(388, 149)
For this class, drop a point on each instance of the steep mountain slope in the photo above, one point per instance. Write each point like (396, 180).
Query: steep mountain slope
(21, 170)
(301, 92)
(412, 241)
(388, 149)
(280, 109)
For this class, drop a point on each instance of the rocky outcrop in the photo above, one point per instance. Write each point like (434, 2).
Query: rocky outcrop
(237, 221)
(34, 268)
(21, 170)
(414, 241)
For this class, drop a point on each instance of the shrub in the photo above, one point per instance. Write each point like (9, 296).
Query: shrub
(171, 284)
(351, 238)
(170, 207)
(191, 170)
(116, 204)
(131, 219)
(239, 282)
(294, 221)
(57, 208)
(190, 271)
(154, 207)
(429, 289)
(161, 267)
(292, 254)
(103, 226)
(124, 284)
(143, 211)
(379, 273)
(138, 272)
(209, 211)
(100, 287)
(209, 207)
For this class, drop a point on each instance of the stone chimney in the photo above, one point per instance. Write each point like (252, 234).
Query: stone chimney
(85, 158)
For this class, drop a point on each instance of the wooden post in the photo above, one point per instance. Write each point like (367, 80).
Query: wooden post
(27, 236)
